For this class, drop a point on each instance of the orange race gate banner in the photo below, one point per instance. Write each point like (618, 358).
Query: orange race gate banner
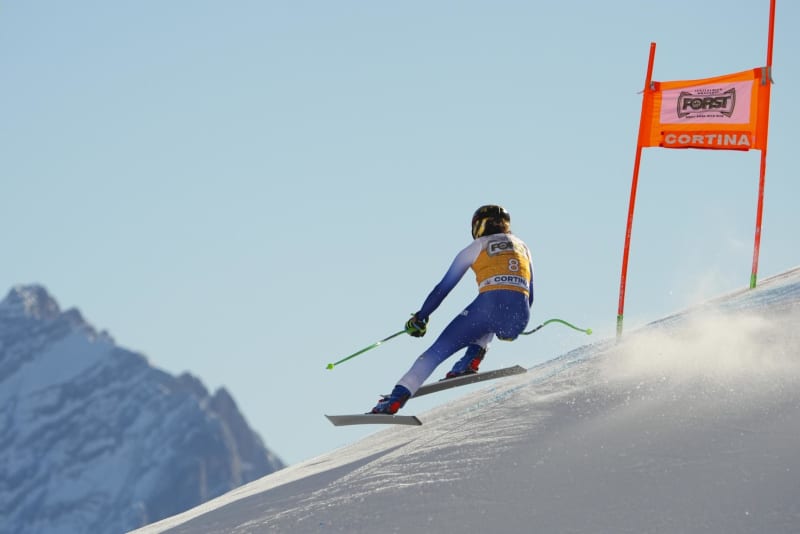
(727, 112)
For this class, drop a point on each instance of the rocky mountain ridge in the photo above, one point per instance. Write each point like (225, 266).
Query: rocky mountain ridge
(95, 439)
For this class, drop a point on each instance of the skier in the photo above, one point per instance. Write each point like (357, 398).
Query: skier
(504, 273)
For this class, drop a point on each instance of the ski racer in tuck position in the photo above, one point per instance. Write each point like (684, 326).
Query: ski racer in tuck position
(504, 273)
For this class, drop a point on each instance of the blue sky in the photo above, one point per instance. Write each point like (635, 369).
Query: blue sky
(250, 190)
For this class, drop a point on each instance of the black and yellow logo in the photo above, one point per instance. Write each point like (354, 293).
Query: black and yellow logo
(706, 104)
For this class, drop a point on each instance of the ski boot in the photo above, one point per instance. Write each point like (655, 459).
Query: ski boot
(468, 365)
(389, 404)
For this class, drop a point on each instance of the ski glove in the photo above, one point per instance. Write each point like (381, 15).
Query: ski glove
(416, 327)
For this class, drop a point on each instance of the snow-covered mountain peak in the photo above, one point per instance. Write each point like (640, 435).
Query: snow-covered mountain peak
(32, 305)
(95, 439)
(31, 301)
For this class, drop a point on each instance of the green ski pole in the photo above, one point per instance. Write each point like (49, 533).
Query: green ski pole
(587, 330)
(365, 349)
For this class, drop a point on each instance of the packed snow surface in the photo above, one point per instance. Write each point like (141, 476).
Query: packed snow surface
(691, 424)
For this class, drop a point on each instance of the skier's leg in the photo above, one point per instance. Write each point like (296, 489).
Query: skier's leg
(470, 326)
(472, 358)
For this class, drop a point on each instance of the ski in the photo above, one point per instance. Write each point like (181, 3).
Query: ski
(447, 383)
(373, 419)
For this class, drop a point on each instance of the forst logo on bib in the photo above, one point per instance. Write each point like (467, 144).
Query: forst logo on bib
(501, 246)
(707, 103)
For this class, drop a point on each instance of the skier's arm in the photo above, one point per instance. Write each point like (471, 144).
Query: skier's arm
(460, 264)
(530, 282)
(530, 293)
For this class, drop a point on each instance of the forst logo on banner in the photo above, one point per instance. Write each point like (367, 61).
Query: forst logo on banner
(706, 103)
(726, 112)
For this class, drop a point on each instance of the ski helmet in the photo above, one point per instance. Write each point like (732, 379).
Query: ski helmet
(490, 219)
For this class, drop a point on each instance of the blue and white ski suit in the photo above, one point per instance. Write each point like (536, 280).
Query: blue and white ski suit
(504, 273)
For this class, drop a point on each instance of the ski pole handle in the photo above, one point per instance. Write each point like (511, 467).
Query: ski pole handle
(588, 331)
(365, 349)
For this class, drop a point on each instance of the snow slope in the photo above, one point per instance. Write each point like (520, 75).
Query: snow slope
(691, 424)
